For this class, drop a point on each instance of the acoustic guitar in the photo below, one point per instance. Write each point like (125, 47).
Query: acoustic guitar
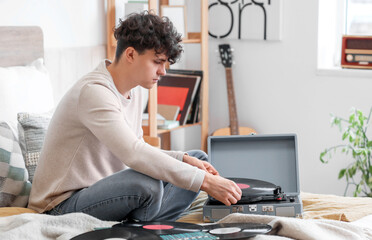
(234, 129)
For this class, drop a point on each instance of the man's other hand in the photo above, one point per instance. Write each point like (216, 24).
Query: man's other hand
(204, 165)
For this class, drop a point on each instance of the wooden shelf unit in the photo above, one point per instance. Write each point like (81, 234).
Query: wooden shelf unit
(151, 132)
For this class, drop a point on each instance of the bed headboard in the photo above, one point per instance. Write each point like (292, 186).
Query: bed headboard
(20, 45)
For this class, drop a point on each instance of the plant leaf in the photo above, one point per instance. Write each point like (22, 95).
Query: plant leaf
(359, 188)
(341, 173)
(345, 135)
(321, 157)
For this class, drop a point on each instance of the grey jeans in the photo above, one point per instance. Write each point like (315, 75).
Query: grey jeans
(130, 195)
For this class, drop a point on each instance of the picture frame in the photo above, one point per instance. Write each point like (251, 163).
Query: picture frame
(177, 15)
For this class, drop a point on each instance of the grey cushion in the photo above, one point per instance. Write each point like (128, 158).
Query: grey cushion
(14, 185)
(32, 129)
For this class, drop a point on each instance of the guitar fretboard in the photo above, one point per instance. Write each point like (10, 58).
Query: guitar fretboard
(234, 126)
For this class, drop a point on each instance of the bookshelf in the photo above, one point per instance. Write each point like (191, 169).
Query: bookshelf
(151, 133)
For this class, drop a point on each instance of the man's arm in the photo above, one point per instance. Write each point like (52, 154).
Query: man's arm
(100, 111)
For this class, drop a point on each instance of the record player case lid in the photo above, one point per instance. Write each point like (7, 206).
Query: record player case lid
(271, 158)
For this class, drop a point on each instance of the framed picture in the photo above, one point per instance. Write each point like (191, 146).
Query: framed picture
(178, 90)
(239, 19)
(177, 15)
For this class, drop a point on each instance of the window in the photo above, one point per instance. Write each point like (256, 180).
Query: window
(358, 17)
(336, 18)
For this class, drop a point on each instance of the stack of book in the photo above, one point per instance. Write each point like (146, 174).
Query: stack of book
(162, 122)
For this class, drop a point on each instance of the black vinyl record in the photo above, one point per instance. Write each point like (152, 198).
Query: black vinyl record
(118, 233)
(163, 228)
(236, 230)
(254, 187)
(254, 190)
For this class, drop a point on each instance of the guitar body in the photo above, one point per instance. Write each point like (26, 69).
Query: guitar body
(234, 129)
(227, 132)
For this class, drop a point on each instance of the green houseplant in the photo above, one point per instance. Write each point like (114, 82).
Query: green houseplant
(357, 145)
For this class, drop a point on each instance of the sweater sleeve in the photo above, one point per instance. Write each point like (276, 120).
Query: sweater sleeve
(175, 154)
(100, 110)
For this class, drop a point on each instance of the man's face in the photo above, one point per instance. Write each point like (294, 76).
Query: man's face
(149, 66)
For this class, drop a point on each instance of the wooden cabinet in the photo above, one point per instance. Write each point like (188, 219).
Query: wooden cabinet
(151, 135)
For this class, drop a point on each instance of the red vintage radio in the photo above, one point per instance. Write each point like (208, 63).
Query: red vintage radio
(356, 52)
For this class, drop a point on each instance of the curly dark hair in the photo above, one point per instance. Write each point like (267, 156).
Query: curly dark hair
(146, 31)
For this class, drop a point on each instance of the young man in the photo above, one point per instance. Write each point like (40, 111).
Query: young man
(94, 159)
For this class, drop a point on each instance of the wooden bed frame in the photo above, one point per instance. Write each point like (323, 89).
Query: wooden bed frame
(20, 46)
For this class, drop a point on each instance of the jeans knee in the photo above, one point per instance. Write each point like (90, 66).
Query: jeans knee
(144, 185)
(152, 187)
(198, 154)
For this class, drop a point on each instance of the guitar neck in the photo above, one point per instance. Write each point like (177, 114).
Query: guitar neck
(234, 126)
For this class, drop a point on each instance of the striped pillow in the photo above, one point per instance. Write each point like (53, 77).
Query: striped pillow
(32, 129)
(14, 185)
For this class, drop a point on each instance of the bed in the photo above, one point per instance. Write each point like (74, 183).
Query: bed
(325, 216)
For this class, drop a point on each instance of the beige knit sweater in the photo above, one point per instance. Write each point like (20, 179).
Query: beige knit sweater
(94, 133)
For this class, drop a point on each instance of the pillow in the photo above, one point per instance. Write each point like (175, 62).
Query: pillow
(14, 185)
(32, 129)
(24, 89)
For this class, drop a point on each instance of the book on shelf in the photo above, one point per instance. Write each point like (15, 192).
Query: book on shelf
(169, 124)
(159, 119)
(179, 90)
(170, 112)
(194, 113)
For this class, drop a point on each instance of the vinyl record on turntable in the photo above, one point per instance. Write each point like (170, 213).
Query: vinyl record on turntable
(163, 228)
(117, 234)
(254, 190)
(237, 230)
(254, 187)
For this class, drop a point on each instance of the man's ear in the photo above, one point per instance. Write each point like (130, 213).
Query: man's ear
(130, 54)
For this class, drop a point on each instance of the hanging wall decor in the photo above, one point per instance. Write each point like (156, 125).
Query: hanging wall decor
(245, 19)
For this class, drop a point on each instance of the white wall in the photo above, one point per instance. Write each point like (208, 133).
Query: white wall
(277, 85)
(67, 23)
(278, 90)
(74, 35)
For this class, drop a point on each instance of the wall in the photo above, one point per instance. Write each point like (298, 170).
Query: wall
(74, 35)
(279, 90)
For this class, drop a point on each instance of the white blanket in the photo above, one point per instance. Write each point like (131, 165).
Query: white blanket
(307, 229)
(41, 226)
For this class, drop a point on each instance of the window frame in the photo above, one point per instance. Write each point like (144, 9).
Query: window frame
(331, 27)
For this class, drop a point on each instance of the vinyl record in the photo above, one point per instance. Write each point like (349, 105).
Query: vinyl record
(118, 234)
(254, 187)
(236, 230)
(163, 228)
(254, 190)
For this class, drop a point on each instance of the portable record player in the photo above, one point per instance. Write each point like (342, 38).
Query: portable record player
(265, 167)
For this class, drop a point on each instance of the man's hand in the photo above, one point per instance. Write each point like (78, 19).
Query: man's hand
(222, 189)
(203, 165)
